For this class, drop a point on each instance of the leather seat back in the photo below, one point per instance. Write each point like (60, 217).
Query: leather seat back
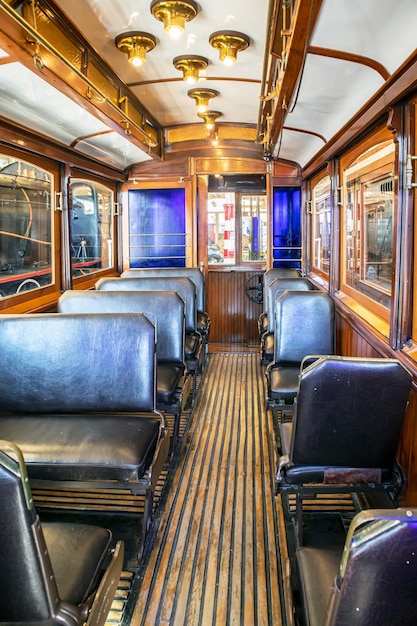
(276, 288)
(381, 559)
(181, 284)
(193, 273)
(271, 275)
(50, 573)
(75, 363)
(349, 412)
(165, 309)
(304, 324)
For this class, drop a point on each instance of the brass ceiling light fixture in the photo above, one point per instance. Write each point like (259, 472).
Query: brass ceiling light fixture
(135, 44)
(229, 43)
(174, 14)
(202, 97)
(190, 66)
(210, 118)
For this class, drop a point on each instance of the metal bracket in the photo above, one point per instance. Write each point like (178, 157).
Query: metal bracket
(58, 201)
(409, 172)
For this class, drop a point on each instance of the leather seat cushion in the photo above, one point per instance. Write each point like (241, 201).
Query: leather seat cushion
(78, 553)
(168, 380)
(317, 568)
(283, 382)
(84, 447)
(192, 346)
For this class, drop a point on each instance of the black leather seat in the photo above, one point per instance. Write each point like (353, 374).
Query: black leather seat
(304, 324)
(193, 350)
(269, 276)
(78, 396)
(274, 290)
(194, 274)
(53, 573)
(166, 310)
(371, 582)
(346, 428)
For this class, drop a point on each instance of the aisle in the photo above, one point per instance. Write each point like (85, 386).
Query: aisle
(215, 558)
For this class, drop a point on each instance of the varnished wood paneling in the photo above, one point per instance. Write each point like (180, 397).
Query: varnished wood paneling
(226, 164)
(233, 316)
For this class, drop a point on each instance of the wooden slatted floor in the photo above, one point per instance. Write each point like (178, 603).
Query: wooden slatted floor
(215, 559)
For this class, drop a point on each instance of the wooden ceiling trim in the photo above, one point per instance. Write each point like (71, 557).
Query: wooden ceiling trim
(304, 19)
(352, 58)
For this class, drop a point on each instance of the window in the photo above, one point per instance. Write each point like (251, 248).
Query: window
(158, 227)
(368, 226)
(321, 225)
(91, 210)
(286, 227)
(254, 228)
(237, 228)
(26, 224)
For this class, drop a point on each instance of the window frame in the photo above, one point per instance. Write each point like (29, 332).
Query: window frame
(92, 277)
(43, 296)
(238, 262)
(315, 181)
(190, 221)
(383, 136)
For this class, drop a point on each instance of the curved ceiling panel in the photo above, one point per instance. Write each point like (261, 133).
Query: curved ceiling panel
(29, 101)
(375, 28)
(331, 92)
(157, 84)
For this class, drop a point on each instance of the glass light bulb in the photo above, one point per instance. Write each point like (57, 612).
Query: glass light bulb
(229, 60)
(137, 56)
(174, 25)
(136, 61)
(175, 32)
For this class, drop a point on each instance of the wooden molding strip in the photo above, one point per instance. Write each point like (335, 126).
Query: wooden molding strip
(352, 58)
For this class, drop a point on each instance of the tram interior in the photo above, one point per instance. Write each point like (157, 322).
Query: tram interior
(208, 329)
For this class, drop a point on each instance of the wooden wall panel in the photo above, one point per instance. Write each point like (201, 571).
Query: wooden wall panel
(356, 339)
(233, 316)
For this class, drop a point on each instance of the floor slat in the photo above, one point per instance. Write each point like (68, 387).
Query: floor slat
(215, 559)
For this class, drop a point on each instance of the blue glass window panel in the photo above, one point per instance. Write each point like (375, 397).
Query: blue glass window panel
(289, 253)
(288, 264)
(255, 234)
(286, 227)
(157, 228)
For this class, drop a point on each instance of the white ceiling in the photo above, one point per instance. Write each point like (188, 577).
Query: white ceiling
(331, 89)
(166, 99)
